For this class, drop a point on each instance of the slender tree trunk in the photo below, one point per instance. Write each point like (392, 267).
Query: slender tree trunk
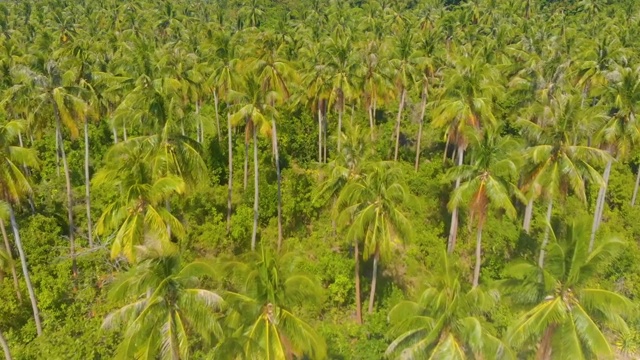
(199, 129)
(124, 130)
(635, 189)
(324, 133)
(528, 214)
(13, 266)
(230, 192)
(423, 107)
(453, 231)
(25, 270)
(544, 349)
(371, 124)
(32, 204)
(279, 180)
(476, 270)
(5, 347)
(167, 205)
(399, 118)
(215, 103)
(545, 240)
(374, 279)
(67, 175)
(597, 216)
(356, 248)
(246, 161)
(339, 134)
(57, 150)
(115, 135)
(319, 134)
(446, 148)
(87, 182)
(256, 189)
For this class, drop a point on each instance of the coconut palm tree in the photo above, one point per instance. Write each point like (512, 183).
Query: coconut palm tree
(166, 304)
(266, 290)
(13, 186)
(566, 312)
(445, 322)
(136, 215)
(6, 249)
(371, 206)
(486, 184)
(558, 163)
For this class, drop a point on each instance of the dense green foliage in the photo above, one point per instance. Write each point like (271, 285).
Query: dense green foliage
(231, 179)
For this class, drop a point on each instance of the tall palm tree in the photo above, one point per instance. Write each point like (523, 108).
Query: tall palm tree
(566, 312)
(465, 106)
(5, 347)
(255, 110)
(13, 186)
(4, 215)
(372, 209)
(558, 163)
(486, 184)
(136, 215)
(165, 304)
(445, 322)
(267, 289)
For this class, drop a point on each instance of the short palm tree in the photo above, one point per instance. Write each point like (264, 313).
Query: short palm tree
(566, 309)
(137, 214)
(166, 304)
(262, 323)
(486, 184)
(445, 322)
(372, 208)
(13, 186)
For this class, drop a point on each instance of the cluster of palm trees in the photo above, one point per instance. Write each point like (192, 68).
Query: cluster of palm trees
(532, 103)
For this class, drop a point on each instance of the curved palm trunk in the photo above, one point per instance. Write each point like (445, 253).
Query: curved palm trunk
(67, 176)
(215, 104)
(87, 183)
(319, 134)
(476, 270)
(13, 266)
(230, 180)
(374, 279)
(635, 189)
(256, 190)
(398, 119)
(545, 240)
(597, 216)
(279, 180)
(25, 271)
(423, 107)
(5, 347)
(356, 248)
(528, 214)
(453, 231)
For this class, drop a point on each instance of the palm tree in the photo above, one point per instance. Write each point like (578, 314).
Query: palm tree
(466, 105)
(486, 184)
(165, 304)
(255, 109)
(262, 316)
(371, 207)
(5, 347)
(137, 215)
(13, 186)
(557, 162)
(566, 312)
(445, 322)
(4, 215)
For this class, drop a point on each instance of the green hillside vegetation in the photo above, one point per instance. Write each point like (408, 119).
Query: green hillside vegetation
(319, 179)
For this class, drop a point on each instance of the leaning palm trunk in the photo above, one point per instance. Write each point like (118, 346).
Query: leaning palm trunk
(453, 231)
(635, 189)
(5, 347)
(374, 279)
(597, 216)
(545, 240)
(13, 266)
(418, 141)
(25, 270)
(87, 182)
(215, 104)
(276, 153)
(230, 191)
(528, 214)
(67, 176)
(256, 189)
(32, 204)
(476, 270)
(340, 110)
(246, 160)
(356, 248)
(400, 108)
(115, 135)
(319, 135)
